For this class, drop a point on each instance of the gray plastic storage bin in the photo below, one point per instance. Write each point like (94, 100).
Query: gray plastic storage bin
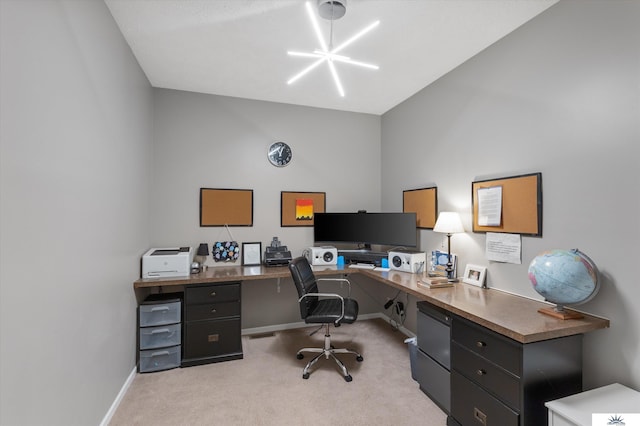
(160, 336)
(160, 313)
(159, 359)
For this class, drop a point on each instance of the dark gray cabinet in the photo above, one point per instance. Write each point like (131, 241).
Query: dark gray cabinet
(498, 381)
(212, 328)
(433, 354)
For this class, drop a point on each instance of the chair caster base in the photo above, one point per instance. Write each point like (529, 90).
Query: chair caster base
(305, 376)
(359, 358)
(348, 378)
(299, 356)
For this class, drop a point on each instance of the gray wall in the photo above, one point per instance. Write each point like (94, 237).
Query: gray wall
(75, 132)
(206, 141)
(559, 96)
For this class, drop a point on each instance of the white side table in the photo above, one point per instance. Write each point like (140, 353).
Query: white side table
(576, 410)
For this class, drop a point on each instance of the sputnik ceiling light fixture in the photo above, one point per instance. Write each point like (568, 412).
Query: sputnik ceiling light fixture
(332, 10)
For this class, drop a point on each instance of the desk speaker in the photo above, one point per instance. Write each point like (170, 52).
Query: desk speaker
(326, 255)
(408, 261)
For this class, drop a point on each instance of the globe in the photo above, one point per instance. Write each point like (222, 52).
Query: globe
(564, 277)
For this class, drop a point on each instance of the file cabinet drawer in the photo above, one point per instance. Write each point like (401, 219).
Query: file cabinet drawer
(495, 348)
(211, 339)
(212, 293)
(472, 405)
(212, 311)
(434, 380)
(501, 383)
(160, 336)
(153, 314)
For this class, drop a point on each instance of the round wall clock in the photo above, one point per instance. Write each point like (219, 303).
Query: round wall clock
(279, 154)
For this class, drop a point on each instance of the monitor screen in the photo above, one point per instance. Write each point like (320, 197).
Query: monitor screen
(389, 229)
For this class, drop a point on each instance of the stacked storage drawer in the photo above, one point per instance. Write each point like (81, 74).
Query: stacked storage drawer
(433, 355)
(160, 332)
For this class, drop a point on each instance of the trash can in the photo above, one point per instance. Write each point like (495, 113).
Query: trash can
(413, 354)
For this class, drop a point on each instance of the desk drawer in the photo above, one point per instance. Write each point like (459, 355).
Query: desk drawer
(209, 339)
(472, 405)
(434, 336)
(434, 380)
(501, 383)
(210, 293)
(498, 349)
(212, 311)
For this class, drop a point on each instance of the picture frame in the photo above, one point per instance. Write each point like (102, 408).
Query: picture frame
(475, 275)
(251, 253)
(298, 208)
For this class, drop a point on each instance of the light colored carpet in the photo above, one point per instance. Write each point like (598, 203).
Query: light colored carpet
(267, 388)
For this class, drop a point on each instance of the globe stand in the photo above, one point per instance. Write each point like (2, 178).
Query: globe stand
(560, 312)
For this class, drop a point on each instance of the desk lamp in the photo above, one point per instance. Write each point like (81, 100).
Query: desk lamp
(202, 253)
(449, 223)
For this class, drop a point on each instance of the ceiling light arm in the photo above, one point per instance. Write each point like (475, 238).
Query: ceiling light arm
(316, 27)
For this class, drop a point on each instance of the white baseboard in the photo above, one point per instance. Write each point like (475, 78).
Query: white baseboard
(107, 418)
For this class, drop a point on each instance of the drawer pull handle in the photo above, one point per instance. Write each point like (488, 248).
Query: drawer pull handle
(480, 344)
(213, 311)
(213, 294)
(159, 308)
(481, 372)
(479, 416)
(161, 330)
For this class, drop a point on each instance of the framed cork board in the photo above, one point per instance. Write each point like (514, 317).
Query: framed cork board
(520, 200)
(298, 208)
(424, 203)
(220, 207)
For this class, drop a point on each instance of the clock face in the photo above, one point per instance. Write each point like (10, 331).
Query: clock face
(279, 154)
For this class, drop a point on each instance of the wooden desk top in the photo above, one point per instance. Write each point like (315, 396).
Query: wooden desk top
(513, 316)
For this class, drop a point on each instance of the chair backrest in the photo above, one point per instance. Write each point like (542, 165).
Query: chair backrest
(305, 282)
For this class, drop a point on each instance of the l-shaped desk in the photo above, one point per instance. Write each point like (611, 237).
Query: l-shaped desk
(507, 359)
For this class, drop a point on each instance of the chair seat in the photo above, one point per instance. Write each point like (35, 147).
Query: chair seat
(329, 310)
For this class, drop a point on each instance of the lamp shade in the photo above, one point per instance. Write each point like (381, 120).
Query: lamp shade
(448, 223)
(203, 249)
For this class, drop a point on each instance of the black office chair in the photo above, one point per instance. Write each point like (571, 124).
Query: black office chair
(322, 308)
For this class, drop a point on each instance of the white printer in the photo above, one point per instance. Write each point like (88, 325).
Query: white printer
(167, 262)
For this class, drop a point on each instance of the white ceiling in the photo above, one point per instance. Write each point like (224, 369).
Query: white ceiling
(239, 47)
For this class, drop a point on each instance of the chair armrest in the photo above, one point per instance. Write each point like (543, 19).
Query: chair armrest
(340, 280)
(329, 295)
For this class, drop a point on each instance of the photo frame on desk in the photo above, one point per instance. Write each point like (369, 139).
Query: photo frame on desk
(251, 254)
(475, 275)
(519, 201)
(424, 203)
(298, 208)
